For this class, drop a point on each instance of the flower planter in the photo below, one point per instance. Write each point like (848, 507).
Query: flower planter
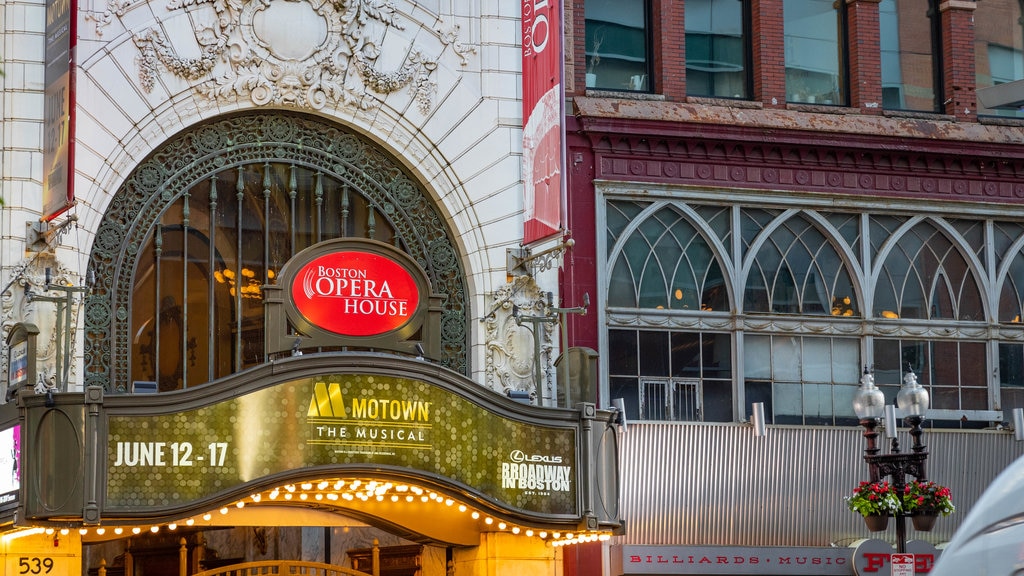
(877, 523)
(924, 521)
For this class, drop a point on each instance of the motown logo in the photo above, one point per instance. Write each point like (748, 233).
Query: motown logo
(367, 424)
(355, 293)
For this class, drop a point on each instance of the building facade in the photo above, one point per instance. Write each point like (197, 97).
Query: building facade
(765, 200)
(770, 198)
(257, 301)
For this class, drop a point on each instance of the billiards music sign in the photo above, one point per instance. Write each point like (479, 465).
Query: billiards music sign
(352, 292)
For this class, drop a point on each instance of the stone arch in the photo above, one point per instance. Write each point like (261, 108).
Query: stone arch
(264, 136)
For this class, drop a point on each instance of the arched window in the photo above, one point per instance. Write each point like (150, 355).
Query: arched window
(925, 276)
(664, 263)
(663, 260)
(797, 270)
(998, 48)
(823, 294)
(212, 216)
(200, 273)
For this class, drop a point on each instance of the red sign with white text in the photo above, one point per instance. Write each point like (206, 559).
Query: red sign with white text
(542, 118)
(354, 293)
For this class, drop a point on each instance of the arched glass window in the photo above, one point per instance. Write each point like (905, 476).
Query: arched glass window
(211, 216)
(926, 277)
(910, 43)
(797, 270)
(665, 263)
(806, 275)
(816, 68)
(1011, 295)
(717, 48)
(998, 48)
(197, 303)
(617, 45)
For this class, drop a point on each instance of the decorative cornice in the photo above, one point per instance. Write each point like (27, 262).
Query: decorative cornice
(704, 148)
(326, 56)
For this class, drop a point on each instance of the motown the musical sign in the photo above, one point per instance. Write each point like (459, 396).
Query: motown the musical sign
(356, 419)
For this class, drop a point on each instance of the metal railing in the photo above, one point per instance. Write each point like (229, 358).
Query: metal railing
(283, 568)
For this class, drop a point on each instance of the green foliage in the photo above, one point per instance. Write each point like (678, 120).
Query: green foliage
(874, 499)
(927, 496)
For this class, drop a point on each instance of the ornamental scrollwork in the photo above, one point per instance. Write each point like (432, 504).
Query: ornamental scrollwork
(330, 52)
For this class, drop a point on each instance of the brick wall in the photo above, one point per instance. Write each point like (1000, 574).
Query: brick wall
(668, 57)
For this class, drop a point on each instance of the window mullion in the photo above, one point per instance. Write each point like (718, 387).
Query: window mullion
(185, 224)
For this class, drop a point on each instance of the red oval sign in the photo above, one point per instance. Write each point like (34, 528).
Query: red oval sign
(355, 293)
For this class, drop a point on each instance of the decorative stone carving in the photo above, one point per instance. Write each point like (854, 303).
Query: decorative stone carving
(26, 299)
(510, 364)
(327, 54)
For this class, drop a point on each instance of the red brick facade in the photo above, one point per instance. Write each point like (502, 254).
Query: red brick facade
(855, 153)
(668, 57)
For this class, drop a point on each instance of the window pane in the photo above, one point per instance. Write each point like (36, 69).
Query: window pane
(716, 49)
(972, 365)
(817, 360)
(686, 401)
(843, 405)
(757, 357)
(758, 391)
(654, 353)
(654, 400)
(817, 404)
(616, 45)
(622, 352)
(686, 354)
(718, 400)
(717, 352)
(629, 391)
(1011, 366)
(999, 48)
(786, 358)
(789, 406)
(814, 66)
(908, 34)
(846, 367)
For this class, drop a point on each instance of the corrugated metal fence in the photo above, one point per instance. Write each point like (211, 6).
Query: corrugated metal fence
(718, 484)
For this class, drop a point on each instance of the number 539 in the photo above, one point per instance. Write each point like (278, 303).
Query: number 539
(34, 565)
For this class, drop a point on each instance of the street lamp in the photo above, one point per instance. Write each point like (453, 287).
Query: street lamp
(869, 404)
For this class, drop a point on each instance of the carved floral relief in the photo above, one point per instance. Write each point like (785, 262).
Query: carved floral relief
(299, 53)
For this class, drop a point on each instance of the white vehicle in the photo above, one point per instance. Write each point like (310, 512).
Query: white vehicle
(990, 542)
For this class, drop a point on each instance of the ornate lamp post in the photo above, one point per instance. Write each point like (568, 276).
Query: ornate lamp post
(869, 405)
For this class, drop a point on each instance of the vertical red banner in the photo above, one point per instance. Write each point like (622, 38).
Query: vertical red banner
(542, 119)
(59, 108)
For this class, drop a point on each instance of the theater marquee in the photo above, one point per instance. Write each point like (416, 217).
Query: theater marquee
(346, 420)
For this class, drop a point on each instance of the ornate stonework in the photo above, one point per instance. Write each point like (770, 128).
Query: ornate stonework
(23, 301)
(510, 363)
(299, 53)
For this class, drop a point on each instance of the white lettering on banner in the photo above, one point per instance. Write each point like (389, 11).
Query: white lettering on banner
(132, 454)
(535, 26)
(542, 477)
